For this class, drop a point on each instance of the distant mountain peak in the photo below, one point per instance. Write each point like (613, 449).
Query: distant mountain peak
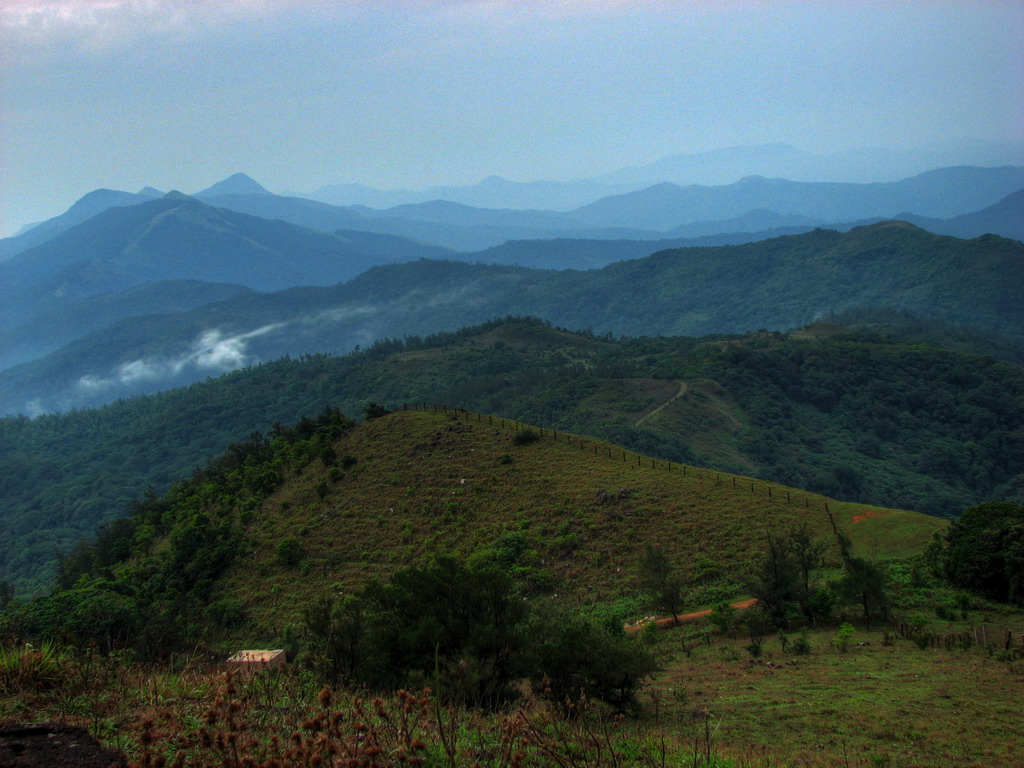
(235, 184)
(150, 192)
(176, 195)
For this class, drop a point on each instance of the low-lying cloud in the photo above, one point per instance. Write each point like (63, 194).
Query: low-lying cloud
(212, 352)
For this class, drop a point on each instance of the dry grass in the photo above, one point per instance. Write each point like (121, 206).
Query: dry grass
(875, 705)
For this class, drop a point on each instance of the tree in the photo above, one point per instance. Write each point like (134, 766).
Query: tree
(375, 411)
(806, 553)
(776, 581)
(864, 582)
(782, 580)
(660, 580)
(457, 627)
(339, 628)
(985, 551)
(574, 656)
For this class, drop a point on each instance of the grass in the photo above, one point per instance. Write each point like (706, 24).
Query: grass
(427, 482)
(873, 705)
(711, 705)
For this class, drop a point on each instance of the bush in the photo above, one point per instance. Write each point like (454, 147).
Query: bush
(30, 669)
(288, 552)
(575, 656)
(525, 436)
(844, 637)
(801, 646)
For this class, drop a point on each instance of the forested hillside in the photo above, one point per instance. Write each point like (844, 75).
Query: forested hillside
(854, 416)
(776, 284)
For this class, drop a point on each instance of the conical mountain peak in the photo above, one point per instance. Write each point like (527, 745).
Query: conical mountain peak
(236, 184)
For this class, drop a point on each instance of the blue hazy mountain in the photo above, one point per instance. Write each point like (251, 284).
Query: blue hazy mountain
(1004, 218)
(235, 184)
(941, 193)
(85, 208)
(44, 333)
(779, 283)
(178, 237)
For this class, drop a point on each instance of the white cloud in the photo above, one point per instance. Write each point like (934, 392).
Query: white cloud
(212, 351)
(98, 26)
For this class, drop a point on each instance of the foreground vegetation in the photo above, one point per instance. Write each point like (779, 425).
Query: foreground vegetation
(880, 702)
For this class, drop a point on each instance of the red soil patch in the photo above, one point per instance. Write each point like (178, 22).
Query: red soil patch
(865, 515)
(685, 617)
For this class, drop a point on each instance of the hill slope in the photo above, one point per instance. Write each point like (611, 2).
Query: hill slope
(273, 525)
(852, 416)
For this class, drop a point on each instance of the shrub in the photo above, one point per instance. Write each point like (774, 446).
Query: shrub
(843, 637)
(801, 646)
(289, 552)
(525, 436)
(575, 656)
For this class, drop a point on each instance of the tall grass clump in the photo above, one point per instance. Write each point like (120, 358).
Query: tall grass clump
(27, 668)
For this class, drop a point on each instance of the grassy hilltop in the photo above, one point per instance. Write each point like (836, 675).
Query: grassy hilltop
(428, 482)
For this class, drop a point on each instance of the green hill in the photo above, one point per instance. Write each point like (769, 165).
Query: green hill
(258, 535)
(852, 416)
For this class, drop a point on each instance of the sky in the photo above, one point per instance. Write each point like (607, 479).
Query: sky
(178, 94)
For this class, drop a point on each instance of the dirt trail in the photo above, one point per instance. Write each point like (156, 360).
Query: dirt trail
(686, 617)
(682, 391)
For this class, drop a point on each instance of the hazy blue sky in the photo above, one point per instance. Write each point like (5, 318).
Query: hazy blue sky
(181, 93)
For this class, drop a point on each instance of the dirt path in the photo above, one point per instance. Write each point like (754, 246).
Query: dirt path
(686, 617)
(682, 391)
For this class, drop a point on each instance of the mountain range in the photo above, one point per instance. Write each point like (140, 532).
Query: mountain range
(780, 283)
(716, 167)
(658, 212)
(84, 278)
